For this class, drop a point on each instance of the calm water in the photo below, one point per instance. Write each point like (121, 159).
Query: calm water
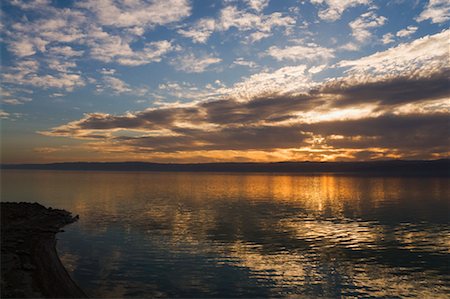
(248, 235)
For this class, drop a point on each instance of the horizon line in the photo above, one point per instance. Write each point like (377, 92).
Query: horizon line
(439, 167)
(228, 162)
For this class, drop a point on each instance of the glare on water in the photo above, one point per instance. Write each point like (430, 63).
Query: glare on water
(247, 235)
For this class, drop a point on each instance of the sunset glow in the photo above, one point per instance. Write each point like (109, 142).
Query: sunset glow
(202, 81)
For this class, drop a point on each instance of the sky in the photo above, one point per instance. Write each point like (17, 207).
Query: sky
(224, 80)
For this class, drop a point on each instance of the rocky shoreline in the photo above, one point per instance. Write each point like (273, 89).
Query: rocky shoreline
(30, 266)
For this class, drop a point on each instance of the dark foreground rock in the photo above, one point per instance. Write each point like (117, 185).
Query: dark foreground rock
(30, 266)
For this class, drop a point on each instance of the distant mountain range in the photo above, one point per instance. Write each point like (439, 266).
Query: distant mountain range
(391, 167)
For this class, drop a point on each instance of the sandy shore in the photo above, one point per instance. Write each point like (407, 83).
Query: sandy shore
(30, 266)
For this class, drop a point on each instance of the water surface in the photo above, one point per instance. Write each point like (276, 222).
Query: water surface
(247, 235)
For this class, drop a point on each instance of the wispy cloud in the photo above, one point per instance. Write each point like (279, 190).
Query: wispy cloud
(427, 52)
(362, 25)
(62, 36)
(252, 76)
(3, 114)
(191, 63)
(437, 11)
(108, 48)
(308, 52)
(257, 5)
(115, 84)
(137, 13)
(388, 38)
(26, 73)
(65, 51)
(335, 8)
(260, 25)
(315, 119)
(407, 31)
(200, 31)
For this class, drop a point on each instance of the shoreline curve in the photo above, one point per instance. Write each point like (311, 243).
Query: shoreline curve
(30, 265)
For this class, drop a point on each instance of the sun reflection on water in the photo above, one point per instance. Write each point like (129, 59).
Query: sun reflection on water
(248, 235)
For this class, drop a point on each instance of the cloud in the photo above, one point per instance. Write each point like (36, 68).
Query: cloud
(61, 36)
(388, 38)
(22, 48)
(148, 120)
(242, 20)
(62, 81)
(12, 102)
(438, 11)
(413, 134)
(389, 90)
(14, 96)
(57, 95)
(285, 80)
(377, 110)
(200, 31)
(429, 52)
(243, 62)
(43, 38)
(186, 90)
(309, 52)
(244, 138)
(137, 13)
(360, 27)
(257, 5)
(335, 8)
(266, 109)
(31, 5)
(4, 114)
(116, 85)
(60, 65)
(25, 72)
(272, 109)
(317, 69)
(65, 51)
(383, 93)
(190, 63)
(258, 35)
(233, 17)
(109, 48)
(427, 133)
(407, 31)
(106, 71)
(210, 114)
(51, 25)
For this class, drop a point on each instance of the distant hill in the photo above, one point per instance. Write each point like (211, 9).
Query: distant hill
(394, 167)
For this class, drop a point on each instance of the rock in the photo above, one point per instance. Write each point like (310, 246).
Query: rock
(30, 266)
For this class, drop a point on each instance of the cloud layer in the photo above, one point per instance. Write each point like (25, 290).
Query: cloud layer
(382, 115)
(228, 80)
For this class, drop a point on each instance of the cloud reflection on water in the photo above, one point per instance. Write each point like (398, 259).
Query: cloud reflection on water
(251, 235)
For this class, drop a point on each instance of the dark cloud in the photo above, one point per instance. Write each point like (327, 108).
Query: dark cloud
(273, 108)
(234, 138)
(270, 108)
(415, 135)
(229, 124)
(149, 119)
(389, 91)
(168, 116)
(105, 122)
(413, 132)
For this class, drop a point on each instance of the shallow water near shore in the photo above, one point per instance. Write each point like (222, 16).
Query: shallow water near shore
(247, 235)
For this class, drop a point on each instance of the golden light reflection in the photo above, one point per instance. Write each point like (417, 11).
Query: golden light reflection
(291, 230)
(283, 267)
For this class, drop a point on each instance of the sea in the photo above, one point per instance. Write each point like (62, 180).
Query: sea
(247, 235)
